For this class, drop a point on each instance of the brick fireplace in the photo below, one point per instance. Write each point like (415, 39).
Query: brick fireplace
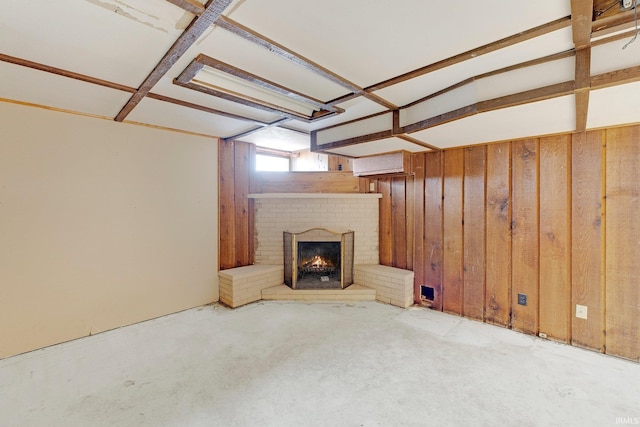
(277, 213)
(295, 213)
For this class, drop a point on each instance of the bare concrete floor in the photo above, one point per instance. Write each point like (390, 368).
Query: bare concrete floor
(316, 364)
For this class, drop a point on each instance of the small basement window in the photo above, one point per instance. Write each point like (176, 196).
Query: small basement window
(268, 163)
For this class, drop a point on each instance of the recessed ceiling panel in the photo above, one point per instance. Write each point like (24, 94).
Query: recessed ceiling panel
(377, 147)
(231, 49)
(37, 87)
(116, 40)
(167, 88)
(552, 116)
(368, 42)
(411, 90)
(164, 114)
(279, 139)
(614, 105)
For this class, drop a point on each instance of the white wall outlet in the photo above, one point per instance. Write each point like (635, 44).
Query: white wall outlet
(581, 311)
(372, 187)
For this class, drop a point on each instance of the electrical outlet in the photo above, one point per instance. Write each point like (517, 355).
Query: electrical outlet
(522, 299)
(542, 335)
(627, 4)
(581, 311)
(372, 187)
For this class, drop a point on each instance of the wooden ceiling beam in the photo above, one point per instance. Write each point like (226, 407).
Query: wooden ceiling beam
(526, 97)
(470, 54)
(582, 87)
(615, 78)
(620, 19)
(117, 86)
(196, 28)
(581, 25)
(65, 73)
(191, 6)
(256, 129)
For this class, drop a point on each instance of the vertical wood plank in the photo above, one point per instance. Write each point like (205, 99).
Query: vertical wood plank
(399, 222)
(386, 236)
(252, 219)
(474, 232)
(498, 240)
(525, 244)
(226, 225)
(587, 275)
(623, 242)
(418, 246)
(409, 221)
(433, 225)
(241, 172)
(555, 229)
(452, 289)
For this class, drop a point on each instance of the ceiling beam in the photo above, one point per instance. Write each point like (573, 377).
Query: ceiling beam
(526, 97)
(191, 6)
(376, 136)
(470, 54)
(274, 47)
(614, 78)
(196, 28)
(600, 26)
(581, 26)
(581, 17)
(256, 129)
(582, 87)
(65, 73)
(111, 85)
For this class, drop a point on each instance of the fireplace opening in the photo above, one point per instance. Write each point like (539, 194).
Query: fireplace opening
(318, 265)
(318, 259)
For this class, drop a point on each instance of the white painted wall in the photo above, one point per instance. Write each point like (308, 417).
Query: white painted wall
(102, 224)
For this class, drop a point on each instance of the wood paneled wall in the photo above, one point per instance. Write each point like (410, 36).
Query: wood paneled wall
(236, 209)
(482, 224)
(237, 179)
(553, 218)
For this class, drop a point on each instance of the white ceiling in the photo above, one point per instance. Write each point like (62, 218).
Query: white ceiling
(102, 50)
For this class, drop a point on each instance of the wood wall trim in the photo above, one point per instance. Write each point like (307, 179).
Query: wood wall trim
(196, 28)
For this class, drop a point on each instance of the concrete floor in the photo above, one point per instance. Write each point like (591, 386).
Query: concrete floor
(316, 364)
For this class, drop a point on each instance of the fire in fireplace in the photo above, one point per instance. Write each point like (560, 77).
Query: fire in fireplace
(318, 259)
